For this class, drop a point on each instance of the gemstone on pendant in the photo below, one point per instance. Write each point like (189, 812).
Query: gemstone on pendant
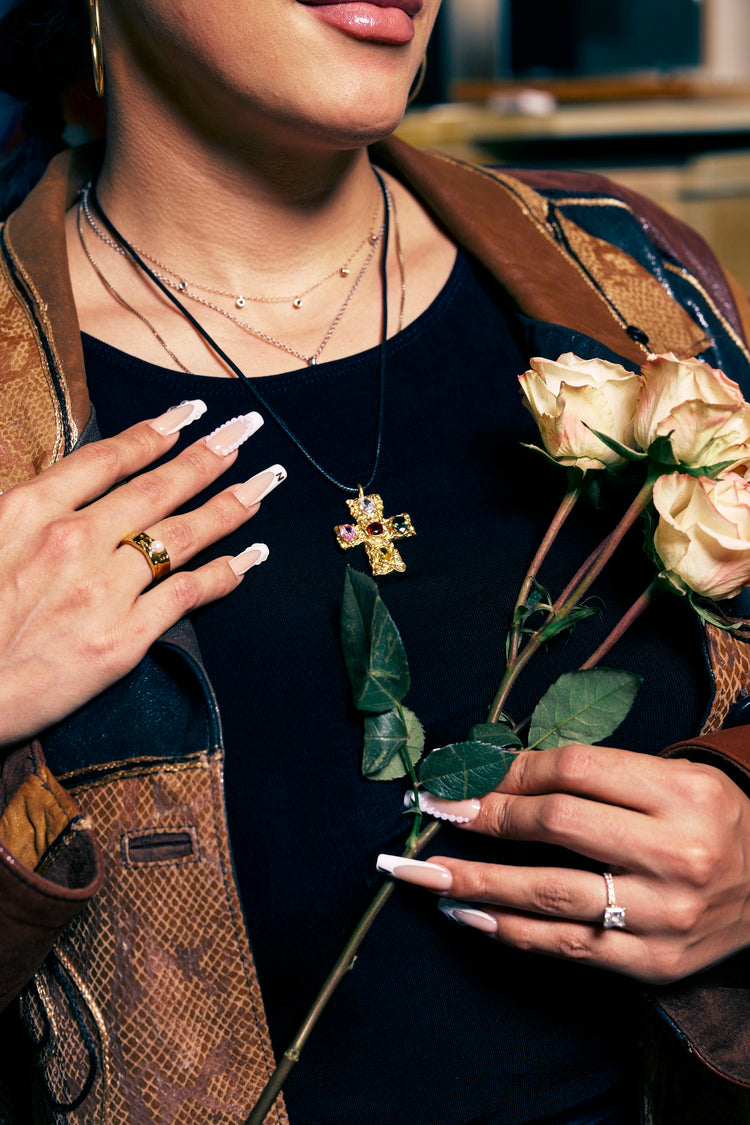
(183, 287)
(348, 533)
(367, 506)
(297, 303)
(345, 271)
(375, 529)
(400, 525)
(240, 303)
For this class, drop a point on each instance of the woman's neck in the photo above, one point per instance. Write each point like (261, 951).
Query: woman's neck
(236, 218)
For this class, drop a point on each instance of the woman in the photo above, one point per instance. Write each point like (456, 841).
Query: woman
(381, 303)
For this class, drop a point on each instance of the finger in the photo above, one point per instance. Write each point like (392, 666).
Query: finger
(611, 835)
(616, 950)
(163, 605)
(186, 535)
(553, 892)
(602, 773)
(150, 497)
(90, 471)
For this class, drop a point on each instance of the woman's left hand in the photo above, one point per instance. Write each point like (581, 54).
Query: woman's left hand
(675, 835)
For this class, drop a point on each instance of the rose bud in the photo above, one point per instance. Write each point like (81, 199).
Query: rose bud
(703, 534)
(699, 408)
(569, 397)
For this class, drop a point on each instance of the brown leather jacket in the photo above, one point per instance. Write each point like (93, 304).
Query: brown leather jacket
(115, 989)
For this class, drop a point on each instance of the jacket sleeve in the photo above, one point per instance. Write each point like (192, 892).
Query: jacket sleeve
(50, 865)
(710, 1011)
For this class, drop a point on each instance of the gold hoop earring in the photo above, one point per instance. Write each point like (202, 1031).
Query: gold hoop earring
(418, 82)
(97, 56)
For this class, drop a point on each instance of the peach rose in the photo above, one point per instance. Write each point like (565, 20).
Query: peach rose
(570, 396)
(699, 408)
(703, 534)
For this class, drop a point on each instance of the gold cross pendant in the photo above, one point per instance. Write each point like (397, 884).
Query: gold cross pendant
(376, 533)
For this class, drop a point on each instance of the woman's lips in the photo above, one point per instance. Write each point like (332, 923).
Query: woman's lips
(372, 22)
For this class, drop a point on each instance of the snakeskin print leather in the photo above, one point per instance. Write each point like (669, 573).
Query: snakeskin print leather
(148, 1011)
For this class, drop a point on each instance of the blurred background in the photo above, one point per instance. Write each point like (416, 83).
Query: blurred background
(655, 93)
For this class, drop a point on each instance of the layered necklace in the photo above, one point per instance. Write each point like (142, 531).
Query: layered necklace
(369, 527)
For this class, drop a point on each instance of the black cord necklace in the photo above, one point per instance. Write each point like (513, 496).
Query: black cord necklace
(369, 528)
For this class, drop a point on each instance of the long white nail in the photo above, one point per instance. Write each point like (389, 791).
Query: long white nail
(467, 915)
(418, 871)
(259, 486)
(230, 436)
(177, 417)
(457, 812)
(250, 557)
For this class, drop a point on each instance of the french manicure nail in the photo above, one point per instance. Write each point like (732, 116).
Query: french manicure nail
(417, 871)
(251, 556)
(457, 812)
(259, 486)
(230, 436)
(177, 417)
(467, 915)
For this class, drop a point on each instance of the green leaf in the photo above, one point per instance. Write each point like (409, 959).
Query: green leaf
(413, 748)
(660, 451)
(582, 707)
(624, 451)
(711, 613)
(494, 734)
(547, 456)
(385, 735)
(373, 650)
(465, 769)
(570, 620)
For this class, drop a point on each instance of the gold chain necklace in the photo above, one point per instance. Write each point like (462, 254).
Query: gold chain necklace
(265, 336)
(168, 275)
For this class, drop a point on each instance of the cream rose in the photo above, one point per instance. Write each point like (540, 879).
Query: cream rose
(703, 534)
(569, 397)
(699, 408)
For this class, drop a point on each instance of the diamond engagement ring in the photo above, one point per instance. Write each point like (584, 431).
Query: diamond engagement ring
(614, 915)
(153, 551)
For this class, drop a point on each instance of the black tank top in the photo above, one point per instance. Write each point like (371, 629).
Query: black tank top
(436, 1024)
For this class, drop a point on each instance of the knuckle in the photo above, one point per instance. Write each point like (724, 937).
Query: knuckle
(200, 462)
(684, 914)
(558, 814)
(185, 591)
(180, 536)
(497, 817)
(697, 863)
(227, 512)
(572, 945)
(703, 786)
(523, 938)
(574, 764)
(102, 456)
(151, 486)
(551, 896)
(64, 538)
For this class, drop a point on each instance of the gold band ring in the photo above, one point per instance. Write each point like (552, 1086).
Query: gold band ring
(153, 551)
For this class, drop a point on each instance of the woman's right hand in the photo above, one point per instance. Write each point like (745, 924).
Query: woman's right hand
(77, 609)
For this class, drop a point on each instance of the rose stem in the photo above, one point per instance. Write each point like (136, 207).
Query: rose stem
(562, 513)
(344, 963)
(563, 605)
(647, 598)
